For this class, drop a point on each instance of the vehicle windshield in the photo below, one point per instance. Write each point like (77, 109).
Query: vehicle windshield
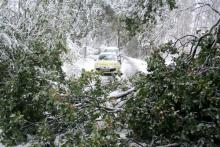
(107, 57)
(113, 50)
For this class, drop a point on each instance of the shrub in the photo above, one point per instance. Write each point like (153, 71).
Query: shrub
(178, 103)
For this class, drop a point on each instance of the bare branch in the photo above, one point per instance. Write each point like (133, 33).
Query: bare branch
(202, 37)
(183, 38)
(208, 5)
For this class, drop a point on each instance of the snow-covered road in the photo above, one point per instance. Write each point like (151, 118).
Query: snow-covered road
(129, 67)
(74, 61)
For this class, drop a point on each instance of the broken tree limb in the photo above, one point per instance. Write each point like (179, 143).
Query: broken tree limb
(122, 94)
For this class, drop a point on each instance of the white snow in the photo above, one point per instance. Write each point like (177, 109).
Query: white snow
(74, 62)
(74, 69)
(130, 66)
(5, 39)
(169, 59)
(114, 93)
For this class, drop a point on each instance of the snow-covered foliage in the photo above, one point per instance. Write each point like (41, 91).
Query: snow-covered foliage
(184, 20)
(187, 17)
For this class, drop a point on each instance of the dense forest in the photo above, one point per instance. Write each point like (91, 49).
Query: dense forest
(169, 97)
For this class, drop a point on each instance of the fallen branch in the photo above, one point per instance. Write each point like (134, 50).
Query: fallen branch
(122, 94)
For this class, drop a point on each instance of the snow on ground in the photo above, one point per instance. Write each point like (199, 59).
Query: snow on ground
(130, 66)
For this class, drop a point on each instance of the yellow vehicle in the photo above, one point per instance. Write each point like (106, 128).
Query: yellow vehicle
(108, 64)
